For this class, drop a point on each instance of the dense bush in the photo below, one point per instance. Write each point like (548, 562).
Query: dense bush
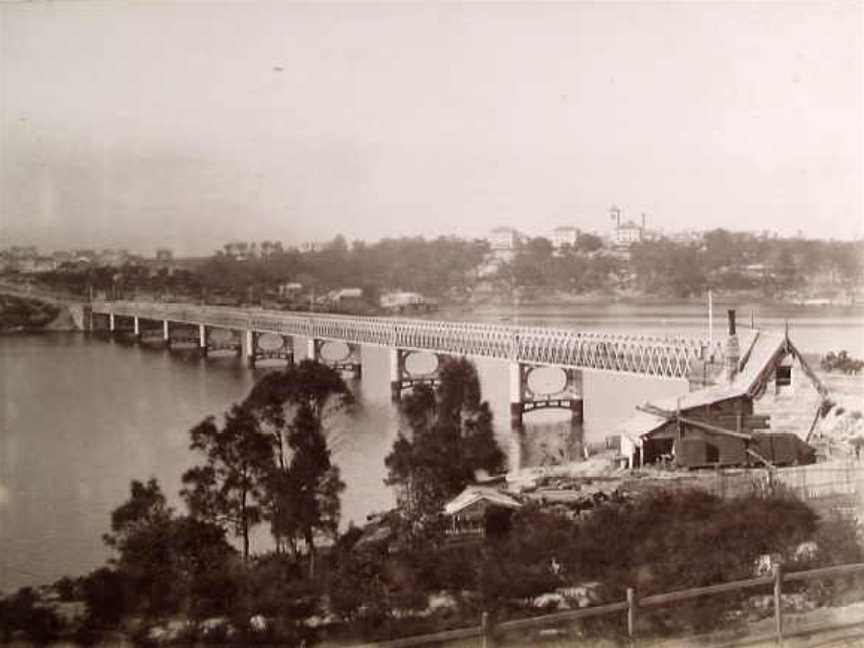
(22, 614)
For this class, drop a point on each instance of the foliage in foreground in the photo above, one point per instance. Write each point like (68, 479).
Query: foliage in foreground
(662, 542)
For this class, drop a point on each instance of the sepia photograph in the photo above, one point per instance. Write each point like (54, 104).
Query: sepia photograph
(431, 324)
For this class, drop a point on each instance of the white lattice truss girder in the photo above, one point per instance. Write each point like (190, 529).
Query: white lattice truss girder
(667, 357)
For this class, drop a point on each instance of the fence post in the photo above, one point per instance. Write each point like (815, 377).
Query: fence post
(803, 474)
(484, 630)
(631, 612)
(777, 569)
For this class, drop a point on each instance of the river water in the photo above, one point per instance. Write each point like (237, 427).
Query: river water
(80, 417)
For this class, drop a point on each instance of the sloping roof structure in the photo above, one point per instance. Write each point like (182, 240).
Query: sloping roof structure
(758, 361)
(473, 494)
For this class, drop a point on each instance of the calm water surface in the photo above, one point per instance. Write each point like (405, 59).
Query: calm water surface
(81, 417)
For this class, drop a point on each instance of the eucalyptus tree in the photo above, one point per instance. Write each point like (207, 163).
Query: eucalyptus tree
(303, 484)
(229, 488)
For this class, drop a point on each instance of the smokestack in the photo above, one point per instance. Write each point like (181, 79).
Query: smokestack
(733, 352)
(643, 220)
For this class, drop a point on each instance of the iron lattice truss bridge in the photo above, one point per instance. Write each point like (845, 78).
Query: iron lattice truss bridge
(667, 357)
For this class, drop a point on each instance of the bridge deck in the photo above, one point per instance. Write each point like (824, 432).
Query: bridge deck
(669, 357)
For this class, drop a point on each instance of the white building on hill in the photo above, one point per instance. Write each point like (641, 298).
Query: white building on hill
(565, 235)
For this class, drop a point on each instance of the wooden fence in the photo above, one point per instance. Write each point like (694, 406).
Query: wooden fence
(811, 482)
(838, 479)
(484, 633)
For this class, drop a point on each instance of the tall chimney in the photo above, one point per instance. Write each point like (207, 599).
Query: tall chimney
(733, 352)
(643, 221)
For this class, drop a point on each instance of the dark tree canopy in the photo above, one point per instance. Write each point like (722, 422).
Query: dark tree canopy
(164, 562)
(303, 485)
(228, 488)
(449, 437)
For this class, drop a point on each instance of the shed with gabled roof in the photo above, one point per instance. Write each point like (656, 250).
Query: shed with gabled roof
(720, 425)
(470, 510)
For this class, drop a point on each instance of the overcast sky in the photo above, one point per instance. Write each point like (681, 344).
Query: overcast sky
(191, 124)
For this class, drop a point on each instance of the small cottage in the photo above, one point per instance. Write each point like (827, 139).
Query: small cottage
(479, 511)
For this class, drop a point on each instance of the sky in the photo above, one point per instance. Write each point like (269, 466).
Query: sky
(190, 124)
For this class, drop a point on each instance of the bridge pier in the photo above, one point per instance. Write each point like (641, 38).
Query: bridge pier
(148, 333)
(136, 328)
(202, 339)
(351, 363)
(247, 346)
(213, 341)
(402, 379)
(166, 333)
(100, 323)
(523, 399)
(112, 322)
(284, 350)
(185, 334)
(125, 329)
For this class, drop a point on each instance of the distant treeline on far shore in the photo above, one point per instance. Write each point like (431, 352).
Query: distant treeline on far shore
(454, 269)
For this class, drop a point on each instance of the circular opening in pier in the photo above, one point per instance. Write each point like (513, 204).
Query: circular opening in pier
(335, 351)
(547, 380)
(269, 341)
(421, 363)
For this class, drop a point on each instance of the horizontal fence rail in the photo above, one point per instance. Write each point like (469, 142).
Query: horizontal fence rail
(668, 357)
(631, 605)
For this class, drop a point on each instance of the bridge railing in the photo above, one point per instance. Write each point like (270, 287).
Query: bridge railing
(643, 354)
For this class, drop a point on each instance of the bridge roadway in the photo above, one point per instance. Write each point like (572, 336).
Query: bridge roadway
(664, 357)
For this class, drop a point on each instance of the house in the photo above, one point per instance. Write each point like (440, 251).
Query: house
(479, 510)
(564, 236)
(504, 239)
(344, 296)
(290, 289)
(240, 250)
(627, 234)
(726, 424)
(687, 237)
(401, 301)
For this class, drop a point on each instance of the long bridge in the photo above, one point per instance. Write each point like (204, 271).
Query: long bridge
(259, 334)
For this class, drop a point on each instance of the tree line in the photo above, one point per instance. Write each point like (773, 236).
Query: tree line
(721, 260)
(453, 268)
